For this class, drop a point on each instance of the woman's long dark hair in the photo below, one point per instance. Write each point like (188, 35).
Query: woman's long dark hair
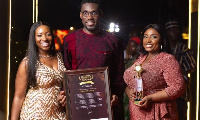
(163, 41)
(32, 52)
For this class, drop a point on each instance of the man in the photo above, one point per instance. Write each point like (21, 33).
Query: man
(184, 55)
(91, 47)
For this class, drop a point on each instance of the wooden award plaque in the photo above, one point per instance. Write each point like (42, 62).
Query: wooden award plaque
(87, 94)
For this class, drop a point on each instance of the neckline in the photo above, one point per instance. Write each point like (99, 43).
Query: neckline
(150, 59)
(50, 67)
(91, 34)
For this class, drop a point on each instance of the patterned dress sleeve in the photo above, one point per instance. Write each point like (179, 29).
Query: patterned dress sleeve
(173, 77)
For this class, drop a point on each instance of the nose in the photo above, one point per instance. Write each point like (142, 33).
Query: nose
(90, 15)
(149, 39)
(44, 37)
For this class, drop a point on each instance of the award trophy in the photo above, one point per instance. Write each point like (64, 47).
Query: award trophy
(138, 85)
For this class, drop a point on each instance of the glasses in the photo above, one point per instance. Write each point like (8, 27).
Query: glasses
(93, 13)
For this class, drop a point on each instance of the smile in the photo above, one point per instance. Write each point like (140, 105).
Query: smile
(148, 46)
(45, 44)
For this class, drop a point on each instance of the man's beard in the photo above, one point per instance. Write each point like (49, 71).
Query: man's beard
(93, 28)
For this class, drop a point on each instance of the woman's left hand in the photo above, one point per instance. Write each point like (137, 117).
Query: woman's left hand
(144, 103)
(62, 98)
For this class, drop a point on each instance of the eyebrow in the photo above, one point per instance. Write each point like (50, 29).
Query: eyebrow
(42, 32)
(151, 34)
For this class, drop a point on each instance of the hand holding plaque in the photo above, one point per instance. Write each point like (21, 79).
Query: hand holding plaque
(138, 85)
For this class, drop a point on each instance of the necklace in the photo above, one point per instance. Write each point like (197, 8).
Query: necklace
(45, 56)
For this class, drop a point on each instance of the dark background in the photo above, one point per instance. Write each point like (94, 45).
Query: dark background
(62, 14)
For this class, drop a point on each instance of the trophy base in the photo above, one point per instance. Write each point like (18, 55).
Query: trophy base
(137, 101)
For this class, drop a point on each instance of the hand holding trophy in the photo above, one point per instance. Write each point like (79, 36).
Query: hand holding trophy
(138, 85)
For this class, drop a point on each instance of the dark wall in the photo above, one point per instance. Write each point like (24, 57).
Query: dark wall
(4, 28)
(21, 23)
(62, 14)
(194, 40)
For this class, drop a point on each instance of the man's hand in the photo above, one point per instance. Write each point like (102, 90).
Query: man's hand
(114, 100)
(130, 93)
(62, 98)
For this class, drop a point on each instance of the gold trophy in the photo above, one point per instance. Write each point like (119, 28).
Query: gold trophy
(138, 85)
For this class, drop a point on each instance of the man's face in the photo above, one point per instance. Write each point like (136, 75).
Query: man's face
(173, 34)
(90, 17)
(131, 47)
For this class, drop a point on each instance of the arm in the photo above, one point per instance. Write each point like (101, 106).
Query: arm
(69, 49)
(130, 92)
(184, 55)
(156, 97)
(20, 90)
(188, 63)
(66, 54)
(118, 86)
(175, 83)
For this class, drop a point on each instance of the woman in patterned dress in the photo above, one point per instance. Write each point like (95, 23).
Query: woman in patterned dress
(39, 78)
(161, 75)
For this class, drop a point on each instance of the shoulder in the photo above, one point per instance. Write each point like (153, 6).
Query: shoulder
(71, 36)
(181, 46)
(23, 65)
(167, 58)
(165, 55)
(110, 35)
(113, 38)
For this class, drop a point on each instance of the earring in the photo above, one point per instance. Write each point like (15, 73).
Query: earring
(161, 47)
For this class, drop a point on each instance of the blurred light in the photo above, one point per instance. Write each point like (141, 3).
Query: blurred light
(111, 29)
(57, 46)
(189, 75)
(198, 64)
(188, 111)
(114, 27)
(71, 28)
(8, 72)
(16, 42)
(117, 28)
(185, 36)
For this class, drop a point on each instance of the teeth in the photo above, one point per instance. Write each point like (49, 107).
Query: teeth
(90, 23)
(44, 44)
(149, 45)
